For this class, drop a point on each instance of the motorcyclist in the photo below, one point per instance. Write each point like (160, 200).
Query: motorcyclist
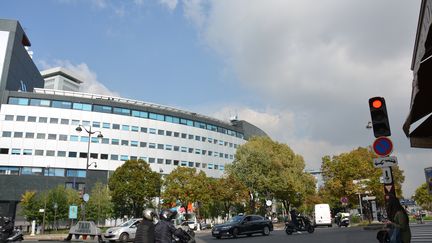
(7, 229)
(164, 229)
(294, 218)
(145, 232)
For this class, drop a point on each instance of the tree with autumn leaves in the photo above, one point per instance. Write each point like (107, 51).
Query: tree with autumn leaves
(268, 170)
(340, 171)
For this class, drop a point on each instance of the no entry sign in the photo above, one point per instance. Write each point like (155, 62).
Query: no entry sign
(383, 146)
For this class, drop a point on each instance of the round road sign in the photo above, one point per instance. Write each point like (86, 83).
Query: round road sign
(344, 200)
(383, 146)
(86, 197)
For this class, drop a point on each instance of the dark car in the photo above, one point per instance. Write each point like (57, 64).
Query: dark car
(243, 225)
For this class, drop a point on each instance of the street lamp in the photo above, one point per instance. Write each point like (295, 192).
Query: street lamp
(90, 133)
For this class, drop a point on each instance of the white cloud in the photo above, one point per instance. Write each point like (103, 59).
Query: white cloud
(90, 82)
(170, 4)
(319, 62)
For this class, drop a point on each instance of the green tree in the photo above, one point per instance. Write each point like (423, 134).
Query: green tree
(99, 207)
(185, 185)
(271, 169)
(423, 198)
(340, 171)
(228, 192)
(29, 205)
(133, 186)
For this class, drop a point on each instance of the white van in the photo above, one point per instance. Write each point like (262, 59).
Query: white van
(322, 215)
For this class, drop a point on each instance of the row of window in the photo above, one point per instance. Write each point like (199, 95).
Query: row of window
(122, 127)
(114, 141)
(12, 170)
(121, 111)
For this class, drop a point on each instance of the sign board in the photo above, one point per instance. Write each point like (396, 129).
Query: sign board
(369, 198)
(428, 174)
(41, 210)
(268, 203)
(86, 197)
(344, 200)
(385, 161)
(387, 175)
(382, 146)
(73, 212)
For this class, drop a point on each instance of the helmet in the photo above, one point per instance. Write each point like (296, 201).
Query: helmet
(149, 213)
(167, 214)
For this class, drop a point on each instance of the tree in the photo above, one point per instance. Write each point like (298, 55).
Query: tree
(339, 172)
(423, 198)
(271, 169)
(133, 186)
(186, 186)
(32, 201)
(99, 207)
(29, 204)
(228, 191)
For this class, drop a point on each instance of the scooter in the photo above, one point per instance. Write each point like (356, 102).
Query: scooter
(16, 235)
(342, 219)
(305, 224)
(184, 234)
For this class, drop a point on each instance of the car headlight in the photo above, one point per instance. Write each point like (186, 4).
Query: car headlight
(115, 232)
(226, 227)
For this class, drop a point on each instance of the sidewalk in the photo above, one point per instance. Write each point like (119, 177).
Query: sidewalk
(56, 237)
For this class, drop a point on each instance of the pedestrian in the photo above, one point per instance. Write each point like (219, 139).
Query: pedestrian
(145, 232)
(397, 221)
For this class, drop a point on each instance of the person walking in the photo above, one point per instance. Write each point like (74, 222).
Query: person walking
(398, 221)
(145, 232)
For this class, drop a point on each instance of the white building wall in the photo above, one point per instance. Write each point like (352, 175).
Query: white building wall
(99, 148)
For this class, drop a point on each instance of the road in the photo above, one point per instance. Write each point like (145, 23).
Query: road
(420, 233)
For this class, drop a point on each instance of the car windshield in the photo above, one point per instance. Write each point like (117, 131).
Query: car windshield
(235, 219)
(127, 223)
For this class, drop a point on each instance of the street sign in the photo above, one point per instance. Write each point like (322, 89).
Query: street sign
(73, 212)
(86, 197)
(344, 200)
(268, 203)
(369, 198)
(385, 161)
(387, 175)
(388, 188)
(383, 146)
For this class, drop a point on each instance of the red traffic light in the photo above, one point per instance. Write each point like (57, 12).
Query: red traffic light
(377, 103)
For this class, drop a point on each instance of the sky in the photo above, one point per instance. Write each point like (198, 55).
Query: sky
(301, 70)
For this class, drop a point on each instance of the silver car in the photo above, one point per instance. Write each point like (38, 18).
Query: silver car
(124, 232)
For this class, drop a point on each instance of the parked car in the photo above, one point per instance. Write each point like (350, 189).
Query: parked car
(124, 232)
(243, 225)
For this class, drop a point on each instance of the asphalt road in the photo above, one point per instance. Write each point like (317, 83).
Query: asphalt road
(321, 235)
(421, 233)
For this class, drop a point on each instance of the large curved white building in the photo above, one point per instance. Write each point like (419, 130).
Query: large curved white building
(40, 146)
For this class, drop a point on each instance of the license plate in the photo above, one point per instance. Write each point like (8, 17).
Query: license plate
(215, 232)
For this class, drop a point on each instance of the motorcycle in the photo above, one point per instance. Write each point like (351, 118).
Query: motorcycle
(15, 235)
(184, 234)
(304, 224)
(342, 219)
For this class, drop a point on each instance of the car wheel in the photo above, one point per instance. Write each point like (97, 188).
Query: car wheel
(288, 231)
(124, 237)
(266, 230)
(235, 232)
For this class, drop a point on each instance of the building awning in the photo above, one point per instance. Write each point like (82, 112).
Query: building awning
(421, 106)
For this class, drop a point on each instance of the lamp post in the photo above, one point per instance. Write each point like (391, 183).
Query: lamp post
(88, 164)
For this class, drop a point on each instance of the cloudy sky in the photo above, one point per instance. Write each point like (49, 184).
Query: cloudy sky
(301, 70)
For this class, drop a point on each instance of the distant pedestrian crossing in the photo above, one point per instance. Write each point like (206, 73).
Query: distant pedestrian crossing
(421, 232)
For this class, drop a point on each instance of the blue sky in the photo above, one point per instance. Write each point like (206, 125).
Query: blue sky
(301, 70)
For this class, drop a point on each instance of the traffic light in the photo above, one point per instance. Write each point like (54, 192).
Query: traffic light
(380, 122)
